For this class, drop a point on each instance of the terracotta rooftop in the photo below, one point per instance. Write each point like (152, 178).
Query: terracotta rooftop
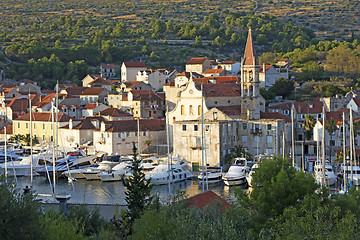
(43, 117)
(17, 104)
(74, 90)
(100, 81)
(219, 90)
(66, 85)
(171, 84)
(267, 67)
(113, 112)
(217, 79)
(274, 116)
(91, 105)
(228, 62)
(9, 130)
(108, 66)
(214, 71)
(92, 91)
(250, 53)
(283, 60)
(144, 95)
(8, 85)
(134, 64)
(205, 199)
(196, 61)
(231, 110)
(131, 84)
(131, 125)
(85, 123)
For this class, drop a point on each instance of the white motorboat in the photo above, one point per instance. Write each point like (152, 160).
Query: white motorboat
(355, 178)
(330, 177)
(116, 172)
(93, 173)
(249, 176)
(162, 174)
(212, 175)
(23, 167)
(150, 163)
(237, 173)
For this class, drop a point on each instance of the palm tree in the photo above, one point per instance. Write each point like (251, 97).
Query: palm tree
(237, 151)
(331, 127)
(148, 143)
(309, 125)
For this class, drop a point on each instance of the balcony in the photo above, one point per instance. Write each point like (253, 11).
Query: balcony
(256, 131)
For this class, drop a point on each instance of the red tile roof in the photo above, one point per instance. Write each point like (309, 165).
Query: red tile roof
(131, 84)
(283, 60)
(219, 90)
(250, 54)
(171, 84)
(44, 117)
(135, 64)
(196, 61)
(9, 130)
(17, 104)
(113, 112)
(214, 71)
(66, 85)
(92, 91)
(274, 115)
(143, 95)
(267, 67)
(90, 106)
(8, 85)
(228, 62)
(131, 125)
(218, 79)
(100, 81)
(231, 110)
(108, 66)
(207, 198)
(74, 90)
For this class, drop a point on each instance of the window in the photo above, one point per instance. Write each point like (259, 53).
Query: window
(184, 127)
(119, 135)
(119, 146)
(196, 128)
(26, 125)
(269, 127)
(144, 134)
(244, 126)
(43, 126)
(215, 102)
(73, 109)
(127, 134)
(191, 110)
(18, 125)
(43, 137)
(199, 110)
(215, 115)
(182, 109)
(207, 128)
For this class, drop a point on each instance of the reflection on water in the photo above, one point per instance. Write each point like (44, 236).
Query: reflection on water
(83, 191)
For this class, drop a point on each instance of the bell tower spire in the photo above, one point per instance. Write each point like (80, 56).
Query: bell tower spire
(250, 80)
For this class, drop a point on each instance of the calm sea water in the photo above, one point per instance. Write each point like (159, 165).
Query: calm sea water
(98, 192)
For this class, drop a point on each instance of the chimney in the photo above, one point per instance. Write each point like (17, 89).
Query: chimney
(102, 127)
(70, 124)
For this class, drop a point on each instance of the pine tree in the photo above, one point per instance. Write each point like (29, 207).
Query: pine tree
(138, 194)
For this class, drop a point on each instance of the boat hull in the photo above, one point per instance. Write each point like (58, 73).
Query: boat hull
(234, 181)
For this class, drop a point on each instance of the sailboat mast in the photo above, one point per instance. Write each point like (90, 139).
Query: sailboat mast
(138, 133)
(344, 151)
(323, 150)
(202, 137)
(53, 128)
(168, 145)
(292, 136)
(283, 145)
(31, 143)
(57, 120)
(6, 172)
(351, 145)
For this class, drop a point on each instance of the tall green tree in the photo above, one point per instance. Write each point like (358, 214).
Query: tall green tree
(138, 192)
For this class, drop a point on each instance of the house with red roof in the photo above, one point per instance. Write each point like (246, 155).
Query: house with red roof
(91, 109)
(116, 137)
(42, 124)
(79, 132)
(107, 70)
(6, 94)
(198, 65)
(217, 72)
(144, 104)
(112, 114)
(156, 79)
(129, 70)
(269, 74)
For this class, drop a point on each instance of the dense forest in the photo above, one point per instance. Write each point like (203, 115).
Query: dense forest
(66, 40)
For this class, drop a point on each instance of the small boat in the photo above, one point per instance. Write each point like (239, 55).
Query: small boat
(162, 174)
(116, 172)
(212, 175)
(330, 177)
(249, 176)
(237, 172)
